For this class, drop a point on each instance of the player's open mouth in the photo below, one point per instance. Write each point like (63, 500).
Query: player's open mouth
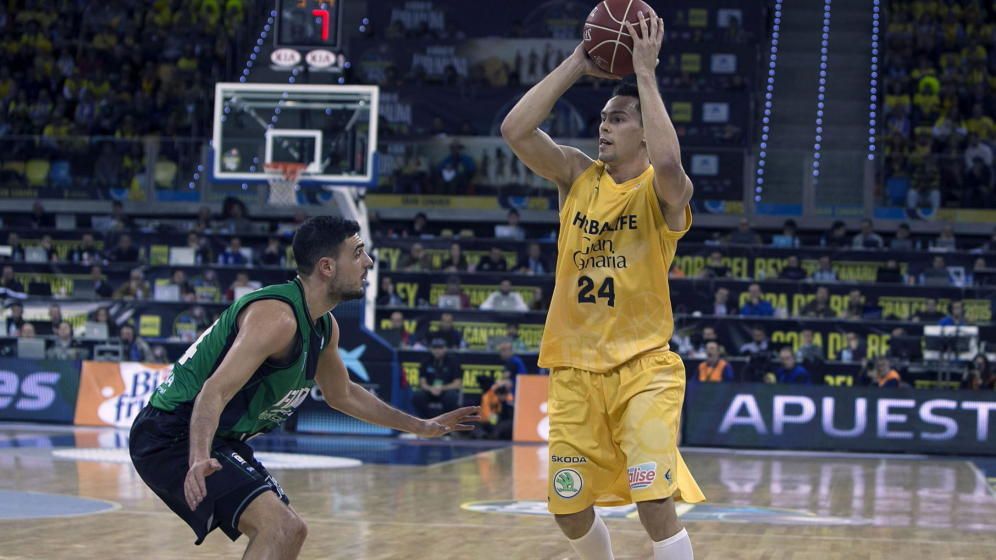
(604, 142)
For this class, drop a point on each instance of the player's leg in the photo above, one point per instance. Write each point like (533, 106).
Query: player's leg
(660, 520)
(274, 529)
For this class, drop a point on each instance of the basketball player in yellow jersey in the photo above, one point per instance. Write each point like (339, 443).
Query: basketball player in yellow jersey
(616, 389)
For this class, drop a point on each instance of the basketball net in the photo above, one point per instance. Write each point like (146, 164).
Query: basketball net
(283, 178)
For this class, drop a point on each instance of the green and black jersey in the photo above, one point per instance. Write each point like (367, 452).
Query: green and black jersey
(273, 392)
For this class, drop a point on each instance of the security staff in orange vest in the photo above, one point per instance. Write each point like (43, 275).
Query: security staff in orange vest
(714, 369)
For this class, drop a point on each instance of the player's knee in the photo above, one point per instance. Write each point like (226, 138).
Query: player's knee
(292, 530)
(575, 525)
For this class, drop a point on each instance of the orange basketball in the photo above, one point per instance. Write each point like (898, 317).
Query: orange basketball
(606, 39)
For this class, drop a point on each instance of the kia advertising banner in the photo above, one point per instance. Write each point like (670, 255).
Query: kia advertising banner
(112, 393)
(38, 390)
(842, 419)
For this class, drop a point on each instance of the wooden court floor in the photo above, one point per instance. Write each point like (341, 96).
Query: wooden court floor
(762, 505)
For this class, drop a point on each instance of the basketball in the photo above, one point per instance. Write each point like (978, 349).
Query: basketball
(606, 39)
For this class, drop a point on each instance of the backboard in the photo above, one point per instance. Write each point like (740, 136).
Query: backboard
(330, 128)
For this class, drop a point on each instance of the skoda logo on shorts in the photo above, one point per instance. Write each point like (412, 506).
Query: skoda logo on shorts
(567, 483)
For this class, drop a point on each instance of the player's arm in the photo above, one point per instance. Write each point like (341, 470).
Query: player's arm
(266, 328)
(673, 187)
(520, 129)
(349, 398)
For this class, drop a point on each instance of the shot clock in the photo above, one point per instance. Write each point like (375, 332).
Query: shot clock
(308, 24)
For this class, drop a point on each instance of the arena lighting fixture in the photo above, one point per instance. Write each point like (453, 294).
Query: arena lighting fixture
(873, 82)
(821, 90)
(768, 95)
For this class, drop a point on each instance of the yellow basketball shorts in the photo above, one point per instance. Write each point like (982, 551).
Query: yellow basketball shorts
(613, 436)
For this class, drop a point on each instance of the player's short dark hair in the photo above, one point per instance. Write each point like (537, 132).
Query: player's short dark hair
(627, 89)
(320, 237)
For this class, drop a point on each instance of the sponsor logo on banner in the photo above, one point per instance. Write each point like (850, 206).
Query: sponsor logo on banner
(38, 389)
(642, 476)
(567, 483)
(567, 459)
(285, 57)
(320, 58)
(34, 391)
(112, 394)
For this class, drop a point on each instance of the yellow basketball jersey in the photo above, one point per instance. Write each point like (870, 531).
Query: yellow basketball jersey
(611, 302)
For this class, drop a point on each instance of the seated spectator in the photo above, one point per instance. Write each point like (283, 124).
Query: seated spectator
(386, 295)
(789, 237)
(854, 350)
(241, 281)
(272, 254)
(790, 372)
(977, 186)
(867, 238)
(456, 171)
(419, 228)
(440, 381)
(39, 218)
(756, 305)
(456, 297)
(987, 247)
(792, 270)
(945, 241)
(882, 375)
(417, 259)
(902, 241)
(758, 343)
(744, 235)
(119, 220)
(532, 262)
(51, 255)
(456, 261)
(930, 313)
(809, 351)
(86, 252)
(714, 369)
(203, 223)
(234, 216)
(27, 330)
(854, 307)
(824, 271)
(836, 237)
(504, 299)
(65, 346)
(979, 272)
(819, 307)
(206, 286)
(448, 333)
(512, 363)
(721, 305)
(233, 255)
(937, 274)
(202, 250)
(54, 319)
(135, 288)
(493, 262)
(134, 348)
(17, 250)
(956, 316)
(103, 315)
(9, 282)
(979, 375)
(15, 319)
(714, 267)
(190, 323)
(498, 406)
(511, 336)
(889, 274)
(124, 251)
(397, 334)
(511, 229)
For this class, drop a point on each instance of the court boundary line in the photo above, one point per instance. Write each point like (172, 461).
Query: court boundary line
(982, 476)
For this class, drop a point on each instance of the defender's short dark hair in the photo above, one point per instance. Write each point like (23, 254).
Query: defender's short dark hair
(628, 89)
(320, 237)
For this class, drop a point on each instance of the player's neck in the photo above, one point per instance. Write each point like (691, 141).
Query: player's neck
(626, 170)
(316, 298)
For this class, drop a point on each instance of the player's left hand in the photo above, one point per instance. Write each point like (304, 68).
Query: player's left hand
(647, 43)
(450, 422)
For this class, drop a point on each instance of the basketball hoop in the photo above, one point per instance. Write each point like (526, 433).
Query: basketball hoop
(283, 178)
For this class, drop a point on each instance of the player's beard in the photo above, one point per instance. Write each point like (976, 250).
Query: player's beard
(347, 293)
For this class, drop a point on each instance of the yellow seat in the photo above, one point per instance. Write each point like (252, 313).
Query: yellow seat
(164, 174)
(37, 172)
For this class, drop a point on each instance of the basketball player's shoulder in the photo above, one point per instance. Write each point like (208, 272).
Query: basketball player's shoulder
(579, 163)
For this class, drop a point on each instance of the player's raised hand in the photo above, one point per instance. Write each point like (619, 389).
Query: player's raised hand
(194, 487)
(590, 68)
(646, 43)
(450, 422)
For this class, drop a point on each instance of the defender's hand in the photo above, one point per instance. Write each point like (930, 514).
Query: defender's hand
(580, 56)
(646, 44)
(194, 487)
(450, 422)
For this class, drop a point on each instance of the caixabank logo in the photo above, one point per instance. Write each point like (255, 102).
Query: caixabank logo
(112, 394)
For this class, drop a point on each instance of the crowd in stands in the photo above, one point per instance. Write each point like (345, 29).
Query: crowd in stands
(939, 82)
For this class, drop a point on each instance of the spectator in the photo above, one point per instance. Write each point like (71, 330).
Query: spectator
(54, 318)
(978, 186)
(889, 274)
(134, 348)
(235, 216)
(987, 247)
(493, 262)
(86, 252)
(65, 346)
(455, 172)
(512, 229)
(882, 374)
(824, 271)
(533, 262)
(233, 255)
(504, 299)
(241, 281)
(448, 332)
(27, 330)
(124, 252)
(417, 259)
(979, 270)
(512, 363)
(9, 282)
(791, 373)
(190, 323)
(902, 241)
(184, 288)
(202, 251)
(135, 288)
(15, 319)
(744, 235)
(714, 369)
(756, 305)
(17, 250)
(458, 298)
(206, 286)
(386, 296)
(51, 255)
(273, 253)
(792, 270)
(977, 150)
(456, 261)
(937, 274)
(419, 228)
(867, 238)
(498, 406)
(956, 317)
(511, 336)
(930, 313)
(440, 381)
(809, 351)
(979, 375)
(714, 267)
(103, 316)
(819, 307)
(39, 218)
(789, 237)
(945, 241)
(119, 220)
(203, 223)
(721, 306)
(397, 334)
(854, 349)
(837, 236)
(708, 335)
(854, 307)
(758, 343)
